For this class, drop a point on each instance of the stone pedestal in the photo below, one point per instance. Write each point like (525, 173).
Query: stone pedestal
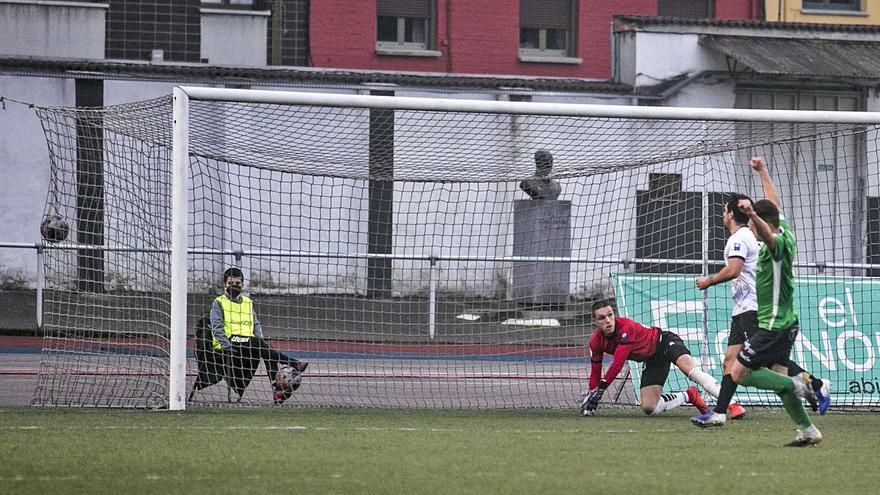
(541, 227)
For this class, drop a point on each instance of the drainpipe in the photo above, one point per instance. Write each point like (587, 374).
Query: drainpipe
(614, 66)
(449, 36)
(277, 31)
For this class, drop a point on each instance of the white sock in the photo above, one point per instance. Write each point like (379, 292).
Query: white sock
(706, 381)
(669, 401)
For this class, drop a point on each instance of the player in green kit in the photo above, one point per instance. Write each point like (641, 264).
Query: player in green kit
(770, 344)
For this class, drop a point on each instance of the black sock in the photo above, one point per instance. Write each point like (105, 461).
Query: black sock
(728, 388)
(793, 368)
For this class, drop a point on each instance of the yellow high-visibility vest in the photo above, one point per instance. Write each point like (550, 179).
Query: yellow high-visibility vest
(238, 318)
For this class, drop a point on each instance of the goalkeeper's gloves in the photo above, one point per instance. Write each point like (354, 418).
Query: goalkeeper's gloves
(591, 402)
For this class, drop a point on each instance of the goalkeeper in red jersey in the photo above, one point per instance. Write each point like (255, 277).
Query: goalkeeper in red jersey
(626, 339)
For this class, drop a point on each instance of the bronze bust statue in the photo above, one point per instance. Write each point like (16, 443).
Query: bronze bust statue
(540, 187)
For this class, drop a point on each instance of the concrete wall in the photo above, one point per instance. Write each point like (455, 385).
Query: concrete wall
(24, 164)
(52, 29)
(234, 37)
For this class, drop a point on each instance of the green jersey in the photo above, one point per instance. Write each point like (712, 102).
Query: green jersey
(774, 281)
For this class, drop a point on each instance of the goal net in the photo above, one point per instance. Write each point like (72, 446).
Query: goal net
(428, 253)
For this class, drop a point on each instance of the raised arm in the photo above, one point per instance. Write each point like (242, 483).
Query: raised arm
(764, 230)
(760, 165)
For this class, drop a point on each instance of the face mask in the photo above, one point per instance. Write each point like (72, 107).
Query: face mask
(233, 291)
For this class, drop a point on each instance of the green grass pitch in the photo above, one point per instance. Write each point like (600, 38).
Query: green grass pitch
(316, 451)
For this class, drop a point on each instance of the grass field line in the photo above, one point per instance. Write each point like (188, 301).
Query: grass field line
(274, 477)
(148, 477)
(515, 431)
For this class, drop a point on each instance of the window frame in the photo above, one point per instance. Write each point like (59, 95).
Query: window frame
(401, 35)
(826, 5)
(542, 50)
(709, 4)
(409, 48)
(552, 55)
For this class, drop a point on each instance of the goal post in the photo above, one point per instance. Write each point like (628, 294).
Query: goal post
(412, 252)
(179, 245)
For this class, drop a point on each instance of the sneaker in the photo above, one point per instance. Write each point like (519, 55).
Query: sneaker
(806, 437)
(695, 399)
(736, 411)
(823, 397)
(709, 420)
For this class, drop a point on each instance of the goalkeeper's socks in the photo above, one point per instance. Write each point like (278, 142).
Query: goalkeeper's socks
(705, 380)
(725, 396)
(669, 401)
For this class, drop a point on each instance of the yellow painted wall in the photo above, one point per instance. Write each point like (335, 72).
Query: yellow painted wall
(792, 11)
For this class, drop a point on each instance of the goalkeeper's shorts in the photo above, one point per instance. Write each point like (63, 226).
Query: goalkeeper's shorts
(670, 347)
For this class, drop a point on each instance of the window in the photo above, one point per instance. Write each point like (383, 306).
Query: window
(690, 9)
(546, 28)
(851, 5)
(404, 24)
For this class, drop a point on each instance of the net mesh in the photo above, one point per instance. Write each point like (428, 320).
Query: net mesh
(398, 253)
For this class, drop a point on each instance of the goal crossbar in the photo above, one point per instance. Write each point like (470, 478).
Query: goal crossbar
(526, 108)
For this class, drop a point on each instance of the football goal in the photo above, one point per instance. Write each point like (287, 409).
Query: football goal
(429, 253)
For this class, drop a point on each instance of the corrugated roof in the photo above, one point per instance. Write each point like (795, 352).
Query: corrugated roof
(738, 23)
(801, 57)
(116, 69)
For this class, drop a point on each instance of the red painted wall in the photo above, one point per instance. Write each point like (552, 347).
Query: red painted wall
(477, 37)
(738, 9)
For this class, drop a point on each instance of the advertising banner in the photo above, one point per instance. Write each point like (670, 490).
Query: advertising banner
(839, 328)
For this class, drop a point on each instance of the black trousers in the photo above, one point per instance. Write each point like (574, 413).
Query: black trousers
(236, 365)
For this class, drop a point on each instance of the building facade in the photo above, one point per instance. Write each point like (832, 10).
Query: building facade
(560, 38)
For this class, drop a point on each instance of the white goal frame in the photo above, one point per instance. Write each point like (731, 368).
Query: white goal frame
(180, 153)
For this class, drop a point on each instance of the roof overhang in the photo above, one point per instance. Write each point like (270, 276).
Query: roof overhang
(305, 76)
(819, 59)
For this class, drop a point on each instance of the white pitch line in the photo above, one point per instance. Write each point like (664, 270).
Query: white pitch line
(326, 428)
